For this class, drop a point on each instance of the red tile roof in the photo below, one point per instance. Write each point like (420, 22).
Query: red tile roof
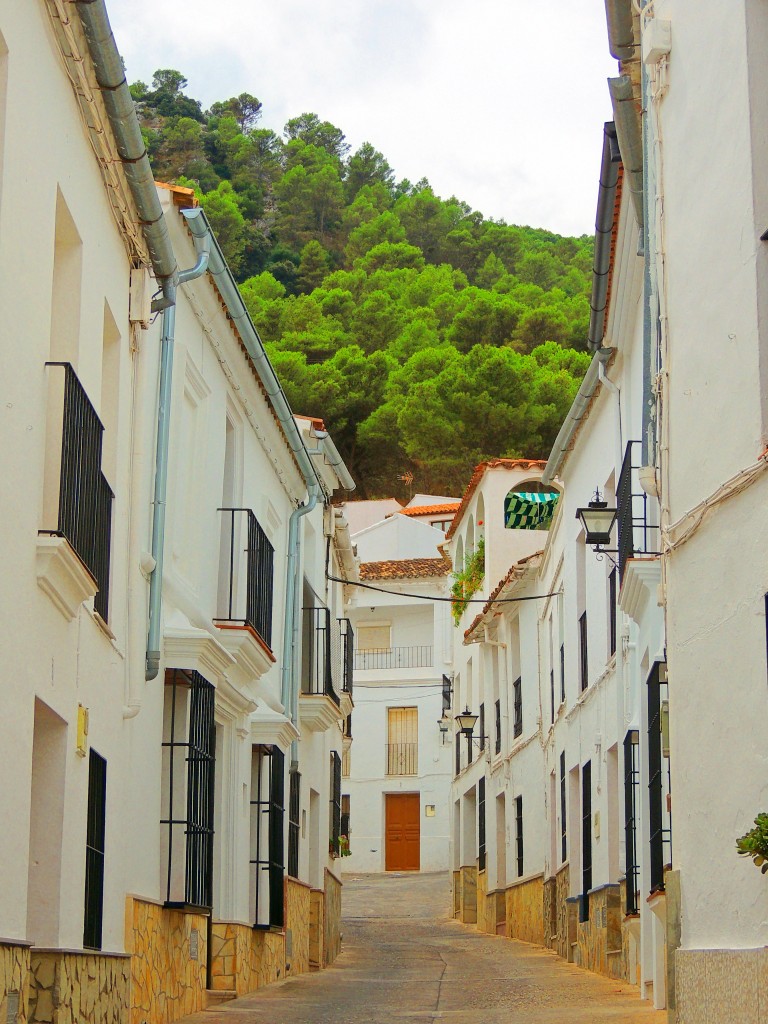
(405, 569)
(477, 476)
(431, 510)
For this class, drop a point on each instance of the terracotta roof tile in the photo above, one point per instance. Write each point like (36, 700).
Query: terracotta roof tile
(405, 569)
(430, 510)
(477, 476)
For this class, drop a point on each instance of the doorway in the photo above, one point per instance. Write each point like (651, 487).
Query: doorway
(403, 832)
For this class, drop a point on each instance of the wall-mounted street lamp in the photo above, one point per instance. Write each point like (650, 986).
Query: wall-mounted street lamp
(597, 520)
(466, 722)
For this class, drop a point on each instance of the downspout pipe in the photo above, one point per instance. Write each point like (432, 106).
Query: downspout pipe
(110, 76)
(606, 198)
(331, 454)
(161, 461)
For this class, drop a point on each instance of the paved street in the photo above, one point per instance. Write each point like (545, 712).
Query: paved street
(404, 959)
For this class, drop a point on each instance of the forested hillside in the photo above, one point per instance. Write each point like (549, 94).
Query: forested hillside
(427, 336)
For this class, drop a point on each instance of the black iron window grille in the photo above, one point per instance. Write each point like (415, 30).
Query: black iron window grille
(552, 696)
(268, 808)
(94, 850)
(612, 596)
(497, 721)
(347, 729)
(250, 575)
(335, 822)
(563, 808)
(562, 673)
(481, 824)
(583, 653)
(317, 654)
(631, 786)
(347, 635)
(517, 689)
(636, 534)
(447, 694)
(457, 766)
(346, 829)
(519, 847)
(586, 840)
(481, 724)
(660, 831)
(294, 827)
(84, 515)
(402, 758)
(189, 758)
(416, 656)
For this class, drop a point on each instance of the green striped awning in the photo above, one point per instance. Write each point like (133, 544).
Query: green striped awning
(526, 510)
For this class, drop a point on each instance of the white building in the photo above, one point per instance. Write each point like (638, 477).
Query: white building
(397, 775)
(181, 666)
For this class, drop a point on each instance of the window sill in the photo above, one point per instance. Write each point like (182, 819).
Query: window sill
(62, 575)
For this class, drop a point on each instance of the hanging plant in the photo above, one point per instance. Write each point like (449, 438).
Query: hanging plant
(754, 843)
(468, 580)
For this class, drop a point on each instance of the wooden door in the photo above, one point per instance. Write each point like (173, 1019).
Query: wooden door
(403, 835)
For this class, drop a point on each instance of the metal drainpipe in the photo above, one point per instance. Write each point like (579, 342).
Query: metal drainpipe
(647, 431)
(161, 462)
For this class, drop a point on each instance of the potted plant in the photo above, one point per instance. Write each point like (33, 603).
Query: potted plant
(754, 843)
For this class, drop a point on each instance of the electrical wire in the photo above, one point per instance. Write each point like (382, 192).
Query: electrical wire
(431, 597)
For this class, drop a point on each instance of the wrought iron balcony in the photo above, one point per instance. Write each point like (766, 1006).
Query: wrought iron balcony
(637, 534)
(80, 495)
(347, 655)
(402, 758)
(419, 656)
(317, 655)
(246, 596)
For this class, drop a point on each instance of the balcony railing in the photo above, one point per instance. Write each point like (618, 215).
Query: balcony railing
(249, 573)
(394, 657)
(637, 536)
(347, 655)
(402, 758)
(317, 656)
(84, 498)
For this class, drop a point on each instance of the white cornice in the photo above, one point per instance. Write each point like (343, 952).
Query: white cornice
(62, 575)
(196, 649)
(269, 727)
(252, 656)
(642, 577)
(318, 712)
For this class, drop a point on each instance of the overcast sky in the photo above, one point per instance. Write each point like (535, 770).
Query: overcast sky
(500, 102)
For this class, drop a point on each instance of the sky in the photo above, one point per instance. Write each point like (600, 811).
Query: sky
(500, 103)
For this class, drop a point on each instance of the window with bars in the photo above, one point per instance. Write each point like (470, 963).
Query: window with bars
(552, 696)
(583, 653)
(346, 827)
(447, 694)
(562, 673)
(517, 689)
(402, 741)
(519, 847)
(294, 812)
(481, 824)
(631, 784)
(660, 831)
(457, 765)
(481, 723)
(563, 808)
(586, 840)
(612, 595)
(335, 809)
(267, 839)
(94, 851)
(497, 743)
(189, 759)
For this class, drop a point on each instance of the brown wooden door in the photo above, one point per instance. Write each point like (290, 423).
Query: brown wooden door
(403, 839)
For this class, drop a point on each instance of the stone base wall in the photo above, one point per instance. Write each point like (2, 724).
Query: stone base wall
(525, 910)
(71, 987)
(720, 986)
(168, 961)
(630, 940)
(14, 982)
(550, 912)
(482, 909)
(331, 918)
(297, 925)
(457, 894)
(316, 929)
(562, 886)
(467, 892)
(599, 940)
(244, 958)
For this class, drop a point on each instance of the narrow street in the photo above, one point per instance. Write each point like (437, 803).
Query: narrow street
(405, 959)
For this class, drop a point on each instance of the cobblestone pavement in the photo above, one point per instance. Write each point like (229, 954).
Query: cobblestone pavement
(405, 960)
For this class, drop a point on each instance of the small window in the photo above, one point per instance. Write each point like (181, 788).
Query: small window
(375, 636)
(612, 595)
(335, 804)
(563, 819)
(520, 849)
(294, 826)
(583, 653)
(518, 697)
(498, 726)
(94, 851)
(481, 824)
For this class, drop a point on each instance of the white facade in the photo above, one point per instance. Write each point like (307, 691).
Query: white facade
(396, 538)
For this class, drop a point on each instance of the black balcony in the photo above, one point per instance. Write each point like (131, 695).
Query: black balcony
(347, 655)
(317, 654)
(247, 584)
(419, 656)
(637, 535)
(84, 505)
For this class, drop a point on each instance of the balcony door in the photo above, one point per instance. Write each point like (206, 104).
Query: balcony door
(403, 836)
